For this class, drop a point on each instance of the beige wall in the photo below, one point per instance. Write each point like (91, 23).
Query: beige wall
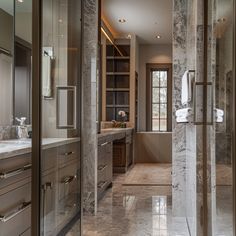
(152, 147)
(149, 54)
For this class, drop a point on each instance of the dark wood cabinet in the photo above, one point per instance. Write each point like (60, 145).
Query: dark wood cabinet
(123, 153)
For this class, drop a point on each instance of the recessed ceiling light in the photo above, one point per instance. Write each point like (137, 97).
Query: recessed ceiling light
(158, 36)
(122, 20)
(20, 1)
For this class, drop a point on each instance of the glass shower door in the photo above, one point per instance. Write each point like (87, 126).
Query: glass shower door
(220, 134)
(60, 116)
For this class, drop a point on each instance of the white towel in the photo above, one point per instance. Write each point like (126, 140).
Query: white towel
(184, 112)
(219, 119)
(186, 93)
(182, 119)
(46, 73)
(219, 112)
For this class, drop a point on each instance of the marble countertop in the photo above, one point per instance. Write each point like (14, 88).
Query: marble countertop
(111, 131)
(14, 147)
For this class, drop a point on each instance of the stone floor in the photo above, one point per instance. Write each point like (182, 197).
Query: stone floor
(139, 210)
(135, 211)
(150, 174)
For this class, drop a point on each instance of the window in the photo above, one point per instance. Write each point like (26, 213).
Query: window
(159, 105)
(159, 100)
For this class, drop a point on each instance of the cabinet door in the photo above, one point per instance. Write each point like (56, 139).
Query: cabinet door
(68, 194)
(48, 192)
(15, 211)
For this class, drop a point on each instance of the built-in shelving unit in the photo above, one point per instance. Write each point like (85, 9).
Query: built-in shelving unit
(117, 81)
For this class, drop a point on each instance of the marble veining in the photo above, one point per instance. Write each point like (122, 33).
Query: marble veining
(89, 100)
(179, 130)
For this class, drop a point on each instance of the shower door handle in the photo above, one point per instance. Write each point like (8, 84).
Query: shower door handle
(66, 100)
(198, 103)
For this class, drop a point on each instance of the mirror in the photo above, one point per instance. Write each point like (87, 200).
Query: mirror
(6, 61)
(22, 54)
(15, 50)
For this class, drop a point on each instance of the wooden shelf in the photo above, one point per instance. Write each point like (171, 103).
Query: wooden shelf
(118, 89)
(117, 81)
(117, 58)
(117, 106)
(118, 73)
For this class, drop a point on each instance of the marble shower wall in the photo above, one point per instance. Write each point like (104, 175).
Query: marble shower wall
(188, 145)
(179, 130)
(89, 127)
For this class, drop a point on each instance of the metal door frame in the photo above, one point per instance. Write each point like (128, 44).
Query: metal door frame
(36, 116)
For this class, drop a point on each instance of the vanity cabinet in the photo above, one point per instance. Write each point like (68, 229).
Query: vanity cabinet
(104, 167)
(60, 190)
(15, 209)
(123, 153)
(60, 187)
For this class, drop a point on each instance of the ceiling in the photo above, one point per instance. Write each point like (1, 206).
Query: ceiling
(145, 18)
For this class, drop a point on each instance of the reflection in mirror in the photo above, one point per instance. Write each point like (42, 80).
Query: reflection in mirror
(22, 78)
(6, 61)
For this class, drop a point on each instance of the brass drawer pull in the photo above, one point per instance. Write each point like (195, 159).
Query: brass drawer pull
(8, 174)
(104, 144)
(18, 210)
(102, 184)
(102, 167)
(69, 179)
(68, 153)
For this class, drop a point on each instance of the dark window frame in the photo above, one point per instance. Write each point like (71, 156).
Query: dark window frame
(150, 67)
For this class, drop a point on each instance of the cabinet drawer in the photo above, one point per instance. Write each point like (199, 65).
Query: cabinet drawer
(69, 188)
(104, 150)
(67, 153)
(15, 211)
(48, 192)
(49, 157)
(14, 169)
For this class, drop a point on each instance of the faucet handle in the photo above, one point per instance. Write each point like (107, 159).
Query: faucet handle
(21, 120)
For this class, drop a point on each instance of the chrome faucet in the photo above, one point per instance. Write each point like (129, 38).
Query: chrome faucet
(21, 129)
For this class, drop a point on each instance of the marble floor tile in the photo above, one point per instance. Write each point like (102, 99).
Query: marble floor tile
(149, 174)
(139, 210)
(224, 211)
(134, 211)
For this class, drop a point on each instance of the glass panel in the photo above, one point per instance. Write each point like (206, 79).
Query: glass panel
(163, 111)
(163, 78)
(155, 124)
(222, 133)
(155, 116)
(60, 171)
(155, 95)
(155, 78)
(163, 95)
(163, 125)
